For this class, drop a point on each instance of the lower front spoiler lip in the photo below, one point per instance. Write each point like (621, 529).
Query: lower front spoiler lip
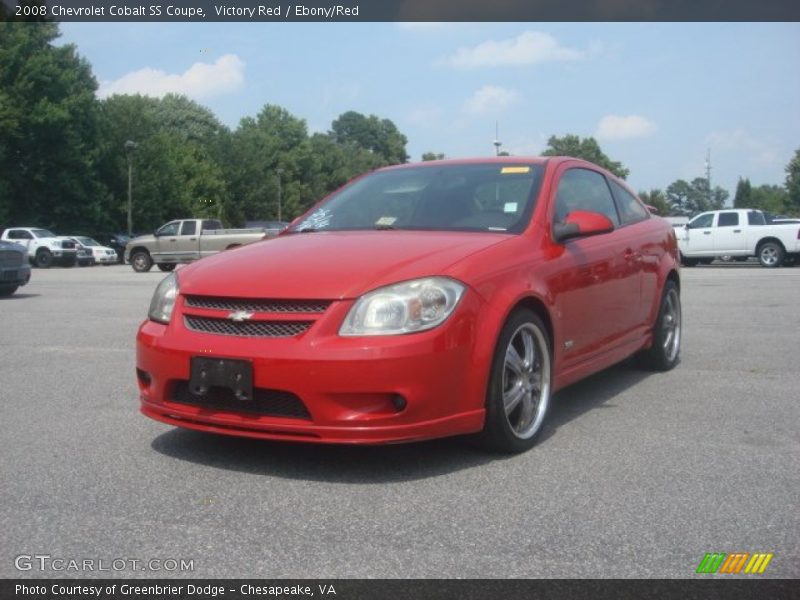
(462, 423)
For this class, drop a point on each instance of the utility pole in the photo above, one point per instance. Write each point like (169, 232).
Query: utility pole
(130, 146)
(497, 142)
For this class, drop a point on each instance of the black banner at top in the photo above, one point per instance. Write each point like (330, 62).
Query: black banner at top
(400, 10)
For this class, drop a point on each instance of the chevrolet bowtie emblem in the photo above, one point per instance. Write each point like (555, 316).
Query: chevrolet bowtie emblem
(240, 315)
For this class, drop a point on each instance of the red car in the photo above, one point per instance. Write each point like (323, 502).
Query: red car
(418, 301)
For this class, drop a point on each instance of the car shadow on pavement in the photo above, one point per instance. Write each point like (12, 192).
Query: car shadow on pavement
(380, 464)
(17, 296)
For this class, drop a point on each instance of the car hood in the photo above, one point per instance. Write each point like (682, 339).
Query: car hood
(331, 265)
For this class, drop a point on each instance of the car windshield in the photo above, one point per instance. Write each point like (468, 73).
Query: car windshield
(42, 233)
(87, 241)
(457, 197)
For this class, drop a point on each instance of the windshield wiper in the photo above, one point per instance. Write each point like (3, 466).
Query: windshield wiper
(385, 228)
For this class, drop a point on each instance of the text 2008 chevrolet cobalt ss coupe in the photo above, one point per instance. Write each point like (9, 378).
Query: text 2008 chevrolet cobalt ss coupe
(418, 301)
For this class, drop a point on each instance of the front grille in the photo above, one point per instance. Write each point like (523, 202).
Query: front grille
(247, 328)
(274, 403)
(11, 258)
(257, 304)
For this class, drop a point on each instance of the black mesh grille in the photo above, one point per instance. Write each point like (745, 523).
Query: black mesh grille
(247, 328)
(274, 403)
(10, 258)
(257, 304)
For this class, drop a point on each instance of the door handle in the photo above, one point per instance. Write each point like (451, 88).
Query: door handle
(173, 239)
(706, 233)
(737, 231)
(192, 239)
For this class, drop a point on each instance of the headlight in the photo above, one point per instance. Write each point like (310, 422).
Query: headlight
(164, 299)
(403, 308)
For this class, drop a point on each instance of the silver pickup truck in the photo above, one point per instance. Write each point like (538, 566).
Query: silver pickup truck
(186, 240)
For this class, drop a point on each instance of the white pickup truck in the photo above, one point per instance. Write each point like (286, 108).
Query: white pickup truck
(186, 240)
(44, 247)
(738, 233)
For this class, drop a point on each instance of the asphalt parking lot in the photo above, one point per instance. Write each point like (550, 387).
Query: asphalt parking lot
(636, 475)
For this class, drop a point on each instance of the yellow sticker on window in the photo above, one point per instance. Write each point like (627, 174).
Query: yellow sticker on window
(507, 170)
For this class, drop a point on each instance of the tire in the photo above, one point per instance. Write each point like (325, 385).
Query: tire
(44, 258)
(518, 396)
(141, 261)
(664, 353)
(771, 254)
(7, 290)
(790, 260)
(166, 267)
(689, 262)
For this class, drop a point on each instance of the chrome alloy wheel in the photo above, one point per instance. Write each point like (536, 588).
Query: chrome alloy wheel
(769, 255)
(526, 381)
(671, 325)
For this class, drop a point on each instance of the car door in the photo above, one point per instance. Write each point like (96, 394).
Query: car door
(167, 241)
(188, 245)
(729, 235)
(699, 239)
(595, 289)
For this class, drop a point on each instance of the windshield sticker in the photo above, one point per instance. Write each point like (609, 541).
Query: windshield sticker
(319, 219)
(385, 221)
(510, 207)
(509, 170)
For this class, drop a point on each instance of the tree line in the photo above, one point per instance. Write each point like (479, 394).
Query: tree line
(64, 164)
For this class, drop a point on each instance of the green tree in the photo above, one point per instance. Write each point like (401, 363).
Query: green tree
(587, 149)
(773, 199)
(379, 136)
(793, 183)
(48, 130)
(658, 200)
(428, 156)
(688, 199)
(743, 196)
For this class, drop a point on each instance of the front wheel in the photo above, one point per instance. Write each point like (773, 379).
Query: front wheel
(7, 290)
(663, 354)
(519, 385)
(44, 259)
(141, 261)
(770, 255)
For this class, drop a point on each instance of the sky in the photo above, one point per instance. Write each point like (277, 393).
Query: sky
(657, 96)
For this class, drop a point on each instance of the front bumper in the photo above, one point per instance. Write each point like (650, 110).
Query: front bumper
(15, 276)
(350, 387)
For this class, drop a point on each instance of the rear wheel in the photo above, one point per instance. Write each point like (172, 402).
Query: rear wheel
(689, 262)
(166, 267)
(663, 354)
(44, 258)
(141, 261)
(519, 386)
(770, 254)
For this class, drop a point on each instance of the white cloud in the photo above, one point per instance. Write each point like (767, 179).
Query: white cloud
(490, 99)
(528, 48)
(201, 80)
(617, 127)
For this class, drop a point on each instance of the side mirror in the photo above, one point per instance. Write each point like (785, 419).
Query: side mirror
(582, 223)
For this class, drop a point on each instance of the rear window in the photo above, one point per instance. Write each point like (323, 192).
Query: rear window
(728, 219)
(631, 210)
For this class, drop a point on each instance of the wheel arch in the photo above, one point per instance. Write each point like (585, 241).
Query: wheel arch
(766, 240)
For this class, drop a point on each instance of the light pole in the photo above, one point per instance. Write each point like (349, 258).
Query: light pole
(279, 171)
(130, 146)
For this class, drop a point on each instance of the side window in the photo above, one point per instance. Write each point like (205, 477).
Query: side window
(702, 221)
(755, 218)
(728, 219)
(630, 208)
(582, 189)
(20, 234)
(189, 228)
(169, 228)
(211, 225)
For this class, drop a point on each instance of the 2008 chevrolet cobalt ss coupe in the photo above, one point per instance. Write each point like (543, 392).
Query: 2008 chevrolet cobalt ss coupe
(418, 301)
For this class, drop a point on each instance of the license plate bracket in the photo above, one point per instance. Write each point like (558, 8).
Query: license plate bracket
(234, 375)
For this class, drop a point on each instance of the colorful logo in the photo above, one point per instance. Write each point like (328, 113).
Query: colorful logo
(735, 563)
